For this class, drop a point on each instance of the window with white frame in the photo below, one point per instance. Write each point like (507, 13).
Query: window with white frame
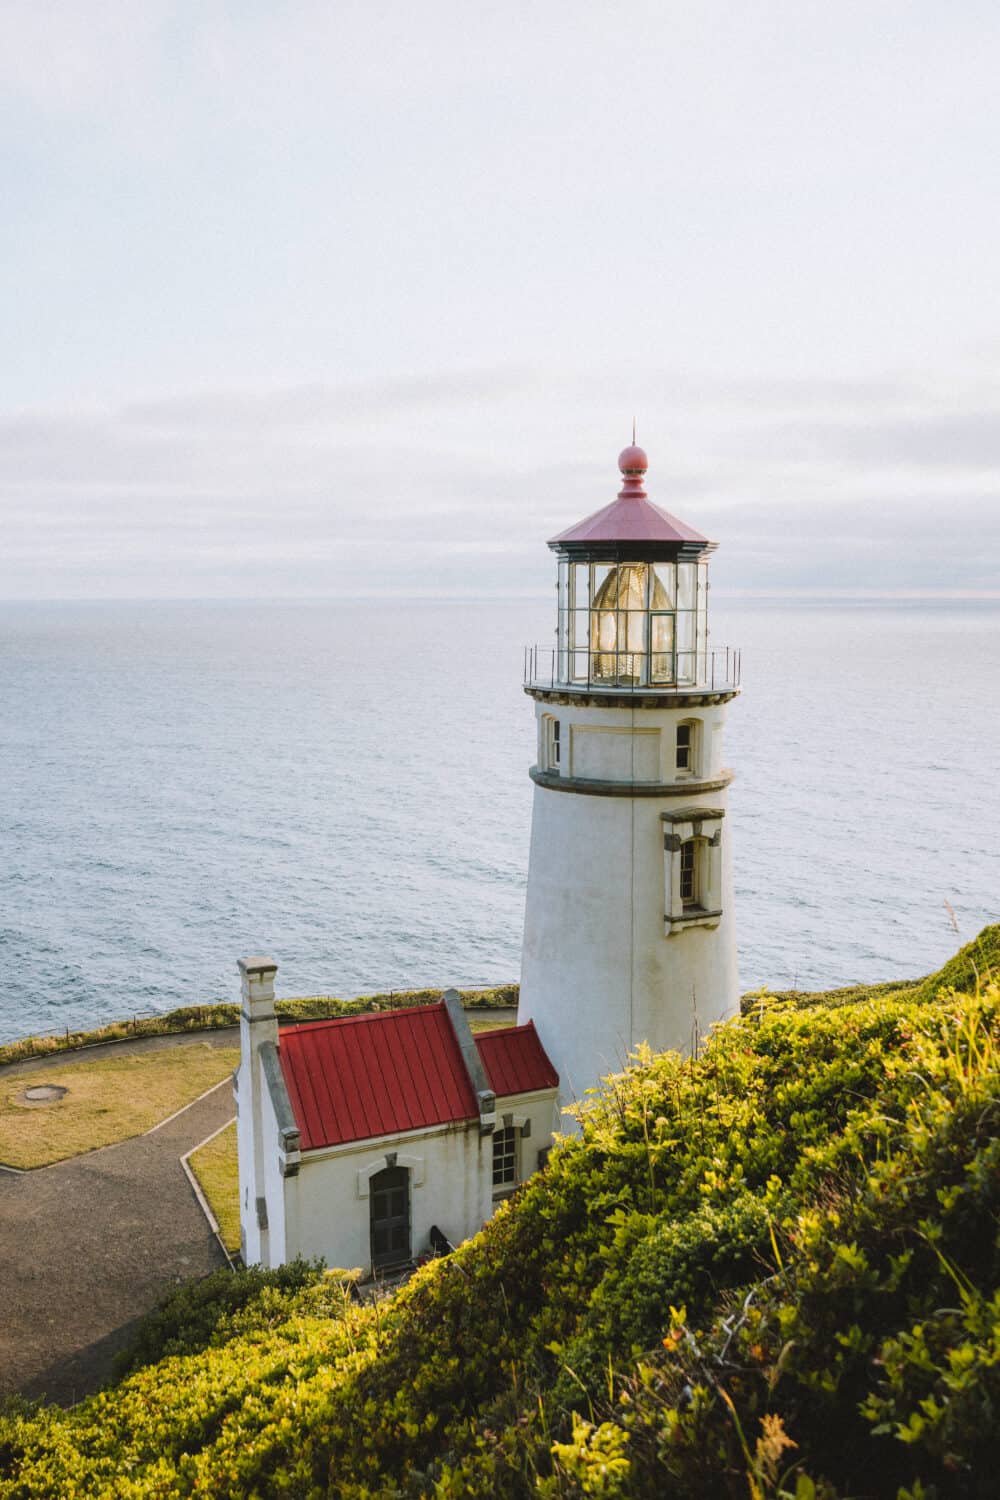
(551, 746)
(688, 746)
(689, 873)
(505, 1156)
(692, 855)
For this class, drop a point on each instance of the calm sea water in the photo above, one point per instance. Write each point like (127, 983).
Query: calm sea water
(344, 785)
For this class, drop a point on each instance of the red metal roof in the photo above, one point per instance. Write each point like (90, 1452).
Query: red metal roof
(632, 516)
(374, 1075)
(395, 1070)
(515, 1060)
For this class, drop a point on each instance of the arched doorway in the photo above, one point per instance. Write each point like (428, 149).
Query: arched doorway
(389, 1192)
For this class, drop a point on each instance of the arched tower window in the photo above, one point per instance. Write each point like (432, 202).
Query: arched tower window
(687, 756)
(692, 854)
(550, 749)
(690, 863)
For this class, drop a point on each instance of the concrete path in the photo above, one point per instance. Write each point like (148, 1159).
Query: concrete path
(88, 1246)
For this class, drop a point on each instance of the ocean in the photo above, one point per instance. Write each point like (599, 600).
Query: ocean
(343, 784)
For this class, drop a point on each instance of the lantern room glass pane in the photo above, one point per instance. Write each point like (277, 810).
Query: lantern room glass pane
(599, 575)
(661, 648)
(580, 629)
(580, 586)
(686, 664)
(664, 586)
(686, 584)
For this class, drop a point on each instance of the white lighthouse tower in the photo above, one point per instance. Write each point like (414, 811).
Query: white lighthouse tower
(629, 932)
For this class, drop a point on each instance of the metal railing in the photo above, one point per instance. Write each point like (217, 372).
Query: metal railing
(718, 670)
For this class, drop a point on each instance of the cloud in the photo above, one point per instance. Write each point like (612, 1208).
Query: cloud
(953, 440)
(456, 478)
(319, 405)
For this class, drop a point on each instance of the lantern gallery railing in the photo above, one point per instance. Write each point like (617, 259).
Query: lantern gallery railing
(633, 671)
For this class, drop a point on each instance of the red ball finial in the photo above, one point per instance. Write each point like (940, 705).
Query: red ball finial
(633, 463)
(633, 460)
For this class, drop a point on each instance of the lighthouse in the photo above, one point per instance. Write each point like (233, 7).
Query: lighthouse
(629, 934)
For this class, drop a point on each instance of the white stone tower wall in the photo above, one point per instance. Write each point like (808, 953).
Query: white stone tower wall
(602, 969)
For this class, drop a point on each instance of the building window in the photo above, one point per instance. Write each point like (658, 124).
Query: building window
(505, 1156)
(550, 743)
(689, 873)
(687, 747)
(692, 868)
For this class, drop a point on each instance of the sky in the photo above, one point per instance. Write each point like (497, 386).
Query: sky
(332, 298)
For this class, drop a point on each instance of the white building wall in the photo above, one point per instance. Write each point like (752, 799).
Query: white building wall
(258, 1025)
(250, 1240)
(327, 1204)
(602, 971)
(450, 1186)
(272, 1184)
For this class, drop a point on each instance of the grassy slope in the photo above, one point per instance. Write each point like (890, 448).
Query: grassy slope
(109, 1098)
(771, 1272)
(216, 1167)
(976, 961)
(223, 1013)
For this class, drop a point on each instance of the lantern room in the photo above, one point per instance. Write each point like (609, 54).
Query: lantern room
(632, 600)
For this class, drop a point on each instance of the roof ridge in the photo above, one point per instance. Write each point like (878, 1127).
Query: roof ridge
(506, 1030)
(292, 1026)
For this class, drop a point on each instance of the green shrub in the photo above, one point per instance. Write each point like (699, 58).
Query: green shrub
(772, 1272)
(201, 1313)
(973, 966)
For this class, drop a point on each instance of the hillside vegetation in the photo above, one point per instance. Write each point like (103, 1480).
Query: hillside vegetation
(224, 1013)
(770, 1272)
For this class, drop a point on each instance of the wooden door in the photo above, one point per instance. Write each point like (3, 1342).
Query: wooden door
(390, 1218)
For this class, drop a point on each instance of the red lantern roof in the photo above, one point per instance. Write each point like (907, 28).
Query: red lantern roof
(632, 517)
(392, 1071)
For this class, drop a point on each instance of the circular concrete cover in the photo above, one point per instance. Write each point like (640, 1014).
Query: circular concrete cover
(43, 1093)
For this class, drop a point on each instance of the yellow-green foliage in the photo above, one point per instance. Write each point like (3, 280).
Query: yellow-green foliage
(971, 967)
(109, 1098)
(772, 1272)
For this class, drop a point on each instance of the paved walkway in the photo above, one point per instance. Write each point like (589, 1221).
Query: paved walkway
(88, 1246)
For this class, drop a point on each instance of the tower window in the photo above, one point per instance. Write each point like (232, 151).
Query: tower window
(505, 1156)
(550, 742)
(689, 873)
(687, 747)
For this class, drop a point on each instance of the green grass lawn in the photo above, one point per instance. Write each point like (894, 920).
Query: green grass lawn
(214, 1165)
(108, 1099)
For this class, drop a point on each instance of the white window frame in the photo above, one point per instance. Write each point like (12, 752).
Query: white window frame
(551, 747)
(702, 828)
(507, 1184)
(693, 768)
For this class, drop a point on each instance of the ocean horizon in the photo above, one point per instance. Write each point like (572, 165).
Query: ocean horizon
(343, 783)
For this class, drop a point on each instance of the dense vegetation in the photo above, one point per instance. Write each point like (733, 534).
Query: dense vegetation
(970, 965)
(226, 1013)
(770, 1272)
